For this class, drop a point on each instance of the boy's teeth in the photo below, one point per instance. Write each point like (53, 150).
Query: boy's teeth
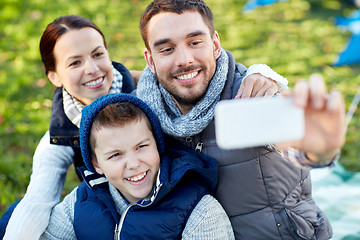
(187, 76)
(137, 178)
(93, 83)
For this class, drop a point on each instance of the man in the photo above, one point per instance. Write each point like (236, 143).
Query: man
(188, 72)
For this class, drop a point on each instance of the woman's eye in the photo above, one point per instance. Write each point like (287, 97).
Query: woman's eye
(75, 63)
(99, 54)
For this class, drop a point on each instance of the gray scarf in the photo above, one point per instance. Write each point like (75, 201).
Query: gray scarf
(172, 121)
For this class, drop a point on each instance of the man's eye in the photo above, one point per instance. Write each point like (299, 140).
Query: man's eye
(195, 43)
(166, 50)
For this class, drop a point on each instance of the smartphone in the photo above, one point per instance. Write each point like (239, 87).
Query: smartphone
(241, 123)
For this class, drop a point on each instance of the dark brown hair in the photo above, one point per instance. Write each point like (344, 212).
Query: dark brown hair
(174, 6)
(54, 31)
(116, 114)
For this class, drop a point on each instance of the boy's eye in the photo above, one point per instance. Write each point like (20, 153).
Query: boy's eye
(142, 146)
(115, 155)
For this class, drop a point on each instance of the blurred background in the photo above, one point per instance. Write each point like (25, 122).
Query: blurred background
(296, 38)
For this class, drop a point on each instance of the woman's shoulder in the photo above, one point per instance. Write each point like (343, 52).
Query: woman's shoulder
(128, 81)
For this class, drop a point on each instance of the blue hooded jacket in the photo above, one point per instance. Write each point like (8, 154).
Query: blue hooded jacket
(185, 177)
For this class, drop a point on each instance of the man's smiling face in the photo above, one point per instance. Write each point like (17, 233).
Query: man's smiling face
(183, 55)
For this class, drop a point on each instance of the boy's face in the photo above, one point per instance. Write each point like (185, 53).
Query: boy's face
(128, 157)
(182, 54)
(83, 66)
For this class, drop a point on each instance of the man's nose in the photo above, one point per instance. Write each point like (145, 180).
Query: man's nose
(184, 56)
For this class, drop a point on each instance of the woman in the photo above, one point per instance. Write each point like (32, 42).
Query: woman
(73, 50)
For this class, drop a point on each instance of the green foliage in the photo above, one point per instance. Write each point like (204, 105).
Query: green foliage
(296, 38)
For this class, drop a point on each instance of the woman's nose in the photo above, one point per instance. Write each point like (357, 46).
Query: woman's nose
(91, 67)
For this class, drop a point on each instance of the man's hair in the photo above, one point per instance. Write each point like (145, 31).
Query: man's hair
(174, 6)
(116, 114)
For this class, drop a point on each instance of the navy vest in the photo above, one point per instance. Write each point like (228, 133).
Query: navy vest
(264, 196)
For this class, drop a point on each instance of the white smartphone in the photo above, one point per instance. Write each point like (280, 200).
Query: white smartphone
(253, 122)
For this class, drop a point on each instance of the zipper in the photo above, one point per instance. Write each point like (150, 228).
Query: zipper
(116, 236)
(122, 218)
(117, 230)
(199, 146)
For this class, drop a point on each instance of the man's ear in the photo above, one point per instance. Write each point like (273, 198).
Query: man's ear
(53, 77)
(97, 167)
(149, 60)
(217, 44)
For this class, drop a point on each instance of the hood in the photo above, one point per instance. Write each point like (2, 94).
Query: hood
(90, 111)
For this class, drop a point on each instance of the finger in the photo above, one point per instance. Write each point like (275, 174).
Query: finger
(260, 85)
(335, 102)
(268, 92)
(285, 145)
(286, 93)
(240, 91)
(248, 86)
(335, 106)
(301, 93)
(317, 91)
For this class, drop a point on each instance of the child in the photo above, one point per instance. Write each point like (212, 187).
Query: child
(135, 187)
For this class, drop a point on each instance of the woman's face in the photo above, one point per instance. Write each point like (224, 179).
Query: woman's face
(83, 66)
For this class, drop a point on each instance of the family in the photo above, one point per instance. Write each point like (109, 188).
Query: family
(145, 148)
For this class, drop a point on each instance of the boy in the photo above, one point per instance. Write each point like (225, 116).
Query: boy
(134, 186)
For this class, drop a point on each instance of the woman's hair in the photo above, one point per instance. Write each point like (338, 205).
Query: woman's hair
(178, 7)
(116, 114)
(55, 30)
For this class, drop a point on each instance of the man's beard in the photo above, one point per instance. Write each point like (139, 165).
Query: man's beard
(183, 99)
(187, 101)
(180, 98)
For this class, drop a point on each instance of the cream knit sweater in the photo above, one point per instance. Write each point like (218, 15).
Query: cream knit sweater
(31, 216)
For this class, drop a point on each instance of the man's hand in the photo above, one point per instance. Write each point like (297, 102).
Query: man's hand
(325, 126)
(256, 85)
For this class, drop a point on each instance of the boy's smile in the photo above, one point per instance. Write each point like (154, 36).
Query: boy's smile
(128, 157)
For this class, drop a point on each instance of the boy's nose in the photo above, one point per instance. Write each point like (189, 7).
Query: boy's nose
(133, 163)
